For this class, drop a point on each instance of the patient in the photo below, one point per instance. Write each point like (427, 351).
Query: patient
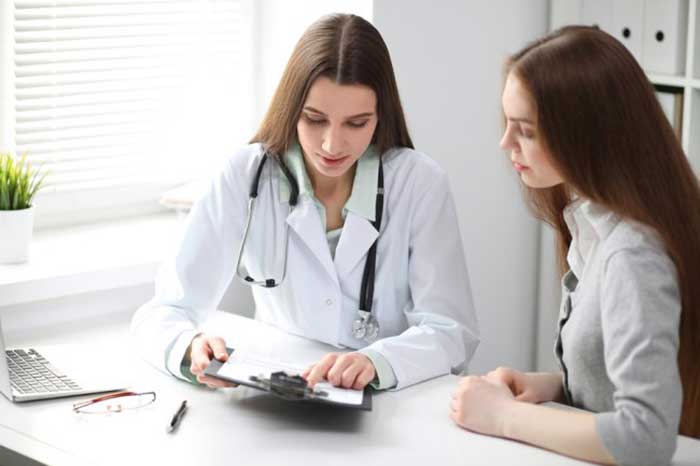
(600, 163)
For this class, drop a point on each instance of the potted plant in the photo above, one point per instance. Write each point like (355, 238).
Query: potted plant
(19, 182)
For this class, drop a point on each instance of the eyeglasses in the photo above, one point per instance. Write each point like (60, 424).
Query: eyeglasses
(115, 402)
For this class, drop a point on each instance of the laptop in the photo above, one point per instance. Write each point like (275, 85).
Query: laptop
(55, 371)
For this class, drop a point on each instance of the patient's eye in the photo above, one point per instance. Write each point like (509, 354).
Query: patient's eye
(526, 131)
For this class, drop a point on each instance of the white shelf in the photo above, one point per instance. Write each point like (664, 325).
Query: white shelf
(676, 81)
(572, 12)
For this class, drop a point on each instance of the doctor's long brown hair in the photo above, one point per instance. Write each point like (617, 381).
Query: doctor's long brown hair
(599, 118)
(349, 50)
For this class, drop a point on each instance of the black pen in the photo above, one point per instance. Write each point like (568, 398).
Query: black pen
(177, 417)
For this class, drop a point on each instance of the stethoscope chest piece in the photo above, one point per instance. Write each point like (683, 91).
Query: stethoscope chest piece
(365, 327)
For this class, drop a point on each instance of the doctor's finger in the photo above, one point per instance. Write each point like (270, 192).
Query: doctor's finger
(199, 363)
(218, 348)
(200, 354)
(364, 378)
(307, 371)
(320, 369)
(350, 374)
(336, 372)
(201, 357)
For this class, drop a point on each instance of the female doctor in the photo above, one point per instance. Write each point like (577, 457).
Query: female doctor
(345, 233)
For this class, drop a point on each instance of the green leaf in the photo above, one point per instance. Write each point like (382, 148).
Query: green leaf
(19, 182)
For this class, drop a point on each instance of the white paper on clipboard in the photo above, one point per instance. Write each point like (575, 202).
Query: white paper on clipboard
(241, 365)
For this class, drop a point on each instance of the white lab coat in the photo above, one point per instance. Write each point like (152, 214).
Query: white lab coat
(422, 295)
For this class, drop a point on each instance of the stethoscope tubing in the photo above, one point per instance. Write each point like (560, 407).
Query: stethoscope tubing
(368, 275)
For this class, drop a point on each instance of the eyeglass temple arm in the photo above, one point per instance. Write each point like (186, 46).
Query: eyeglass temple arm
(82, 404)
(109, 397)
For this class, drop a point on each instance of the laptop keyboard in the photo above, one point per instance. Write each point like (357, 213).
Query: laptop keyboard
(31, 373)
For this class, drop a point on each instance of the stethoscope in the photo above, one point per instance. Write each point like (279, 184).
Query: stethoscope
(365, 326)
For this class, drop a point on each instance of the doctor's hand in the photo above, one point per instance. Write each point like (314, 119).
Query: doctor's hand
(347, 370)
(481, 405)
(201, 351)
(532, 387)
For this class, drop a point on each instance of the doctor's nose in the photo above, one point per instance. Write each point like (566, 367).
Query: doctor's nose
(332, 142)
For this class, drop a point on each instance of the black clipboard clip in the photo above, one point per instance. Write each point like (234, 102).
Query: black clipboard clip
(288, 386)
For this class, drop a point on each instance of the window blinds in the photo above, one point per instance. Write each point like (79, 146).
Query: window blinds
(117, 93)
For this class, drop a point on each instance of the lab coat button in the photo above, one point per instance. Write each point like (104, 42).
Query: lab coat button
(329, 302)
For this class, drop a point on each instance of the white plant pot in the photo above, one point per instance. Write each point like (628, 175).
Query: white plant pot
(15, 235)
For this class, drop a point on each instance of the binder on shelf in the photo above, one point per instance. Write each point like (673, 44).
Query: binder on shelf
(671, 100)
(664, 42)
(282, 380)
(628, 24)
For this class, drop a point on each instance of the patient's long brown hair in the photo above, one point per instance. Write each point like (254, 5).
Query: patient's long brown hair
(349, 50)
(608, 137)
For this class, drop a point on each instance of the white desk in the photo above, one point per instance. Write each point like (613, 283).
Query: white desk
(243, 426)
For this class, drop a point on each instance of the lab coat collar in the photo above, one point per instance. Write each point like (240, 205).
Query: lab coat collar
(358, 236)
(295, 163)
(364, 187)
(305, 220)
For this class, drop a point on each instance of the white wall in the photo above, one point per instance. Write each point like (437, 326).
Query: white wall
(448, 57)
(279, 25)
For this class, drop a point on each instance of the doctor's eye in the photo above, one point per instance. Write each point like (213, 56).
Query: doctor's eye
(314, 121)
(357, 124)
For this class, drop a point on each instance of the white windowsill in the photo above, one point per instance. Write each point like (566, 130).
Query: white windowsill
(87, 258)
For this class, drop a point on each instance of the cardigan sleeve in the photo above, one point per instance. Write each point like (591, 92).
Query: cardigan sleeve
(641, 306)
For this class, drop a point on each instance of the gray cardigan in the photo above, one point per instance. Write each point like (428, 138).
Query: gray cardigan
(617, 339)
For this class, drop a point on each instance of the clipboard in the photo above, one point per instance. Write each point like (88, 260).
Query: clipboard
(282, 380)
